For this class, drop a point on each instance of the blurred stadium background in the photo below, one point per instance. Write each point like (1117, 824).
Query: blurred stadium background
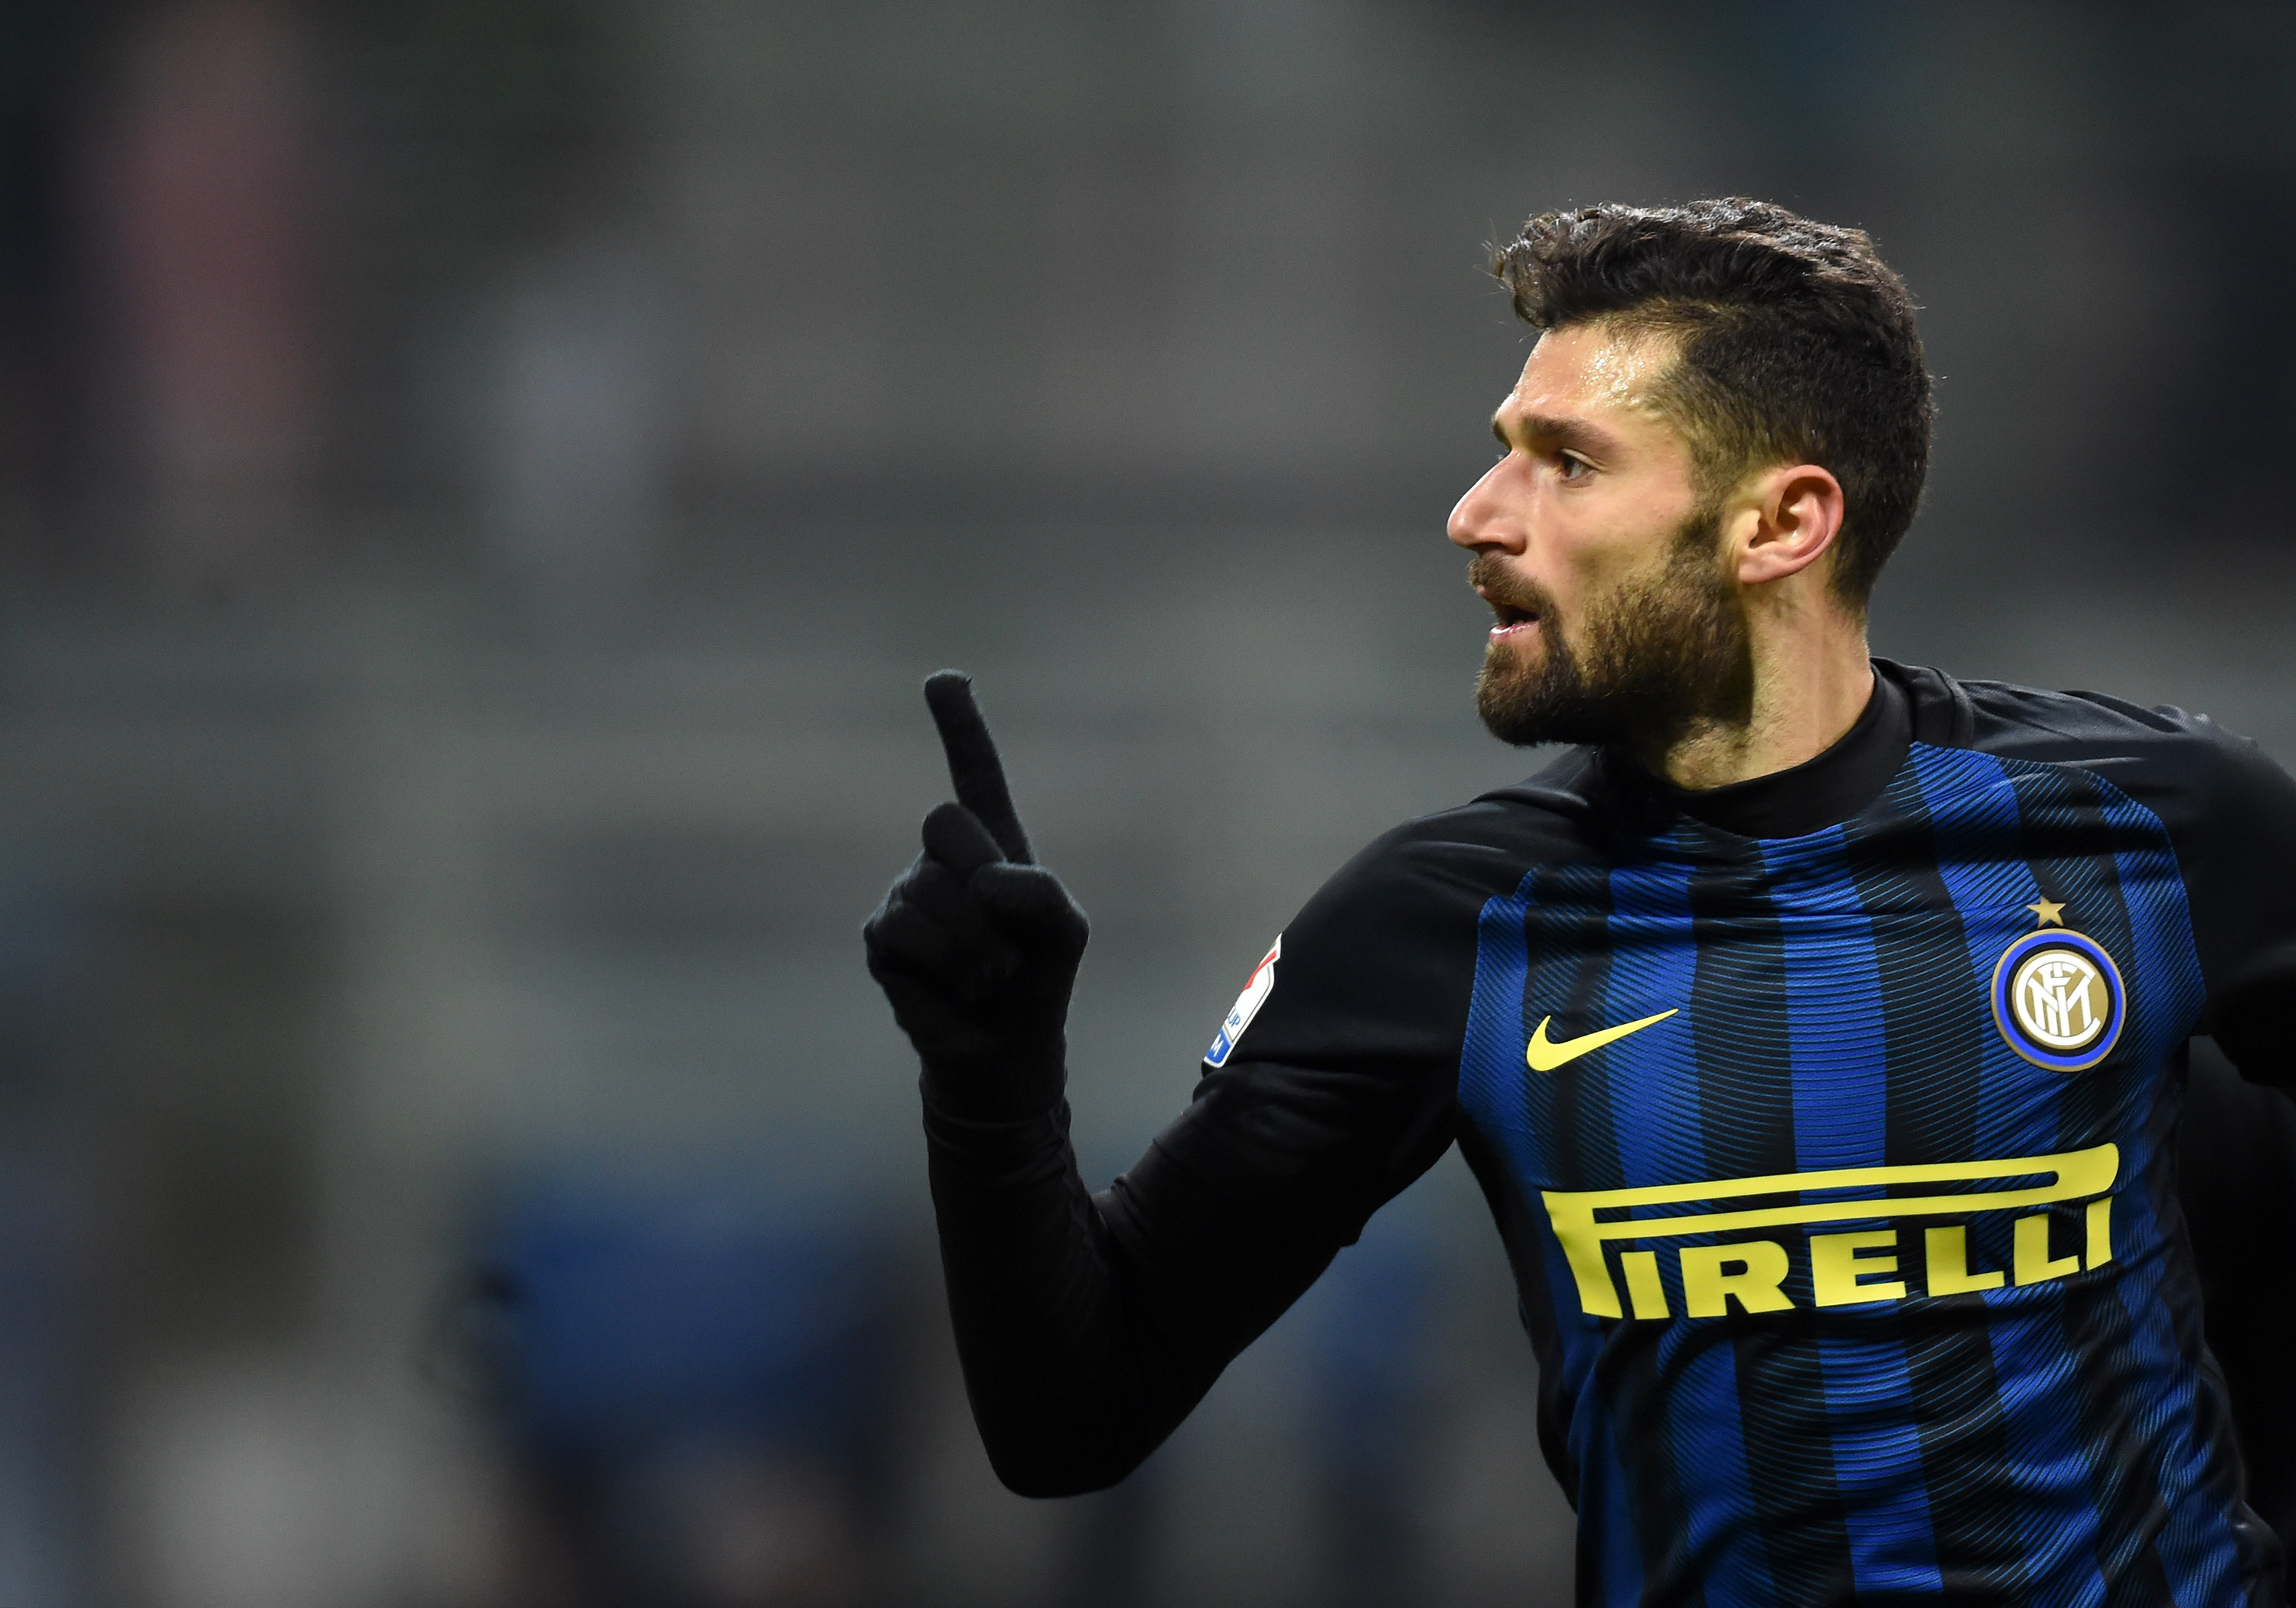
(481, 482)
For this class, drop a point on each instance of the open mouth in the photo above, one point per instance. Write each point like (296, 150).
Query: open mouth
(1512, 622)
(1515, 601)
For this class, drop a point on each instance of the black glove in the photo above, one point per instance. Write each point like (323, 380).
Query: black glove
(976, 945)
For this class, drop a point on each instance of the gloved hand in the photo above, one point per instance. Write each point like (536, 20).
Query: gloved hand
(976, 945)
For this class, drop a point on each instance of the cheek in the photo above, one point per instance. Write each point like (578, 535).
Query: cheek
(1605, 542)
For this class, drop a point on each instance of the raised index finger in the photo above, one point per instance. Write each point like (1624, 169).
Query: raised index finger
(973, 766)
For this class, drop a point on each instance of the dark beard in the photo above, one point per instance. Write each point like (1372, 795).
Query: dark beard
(1660, 657)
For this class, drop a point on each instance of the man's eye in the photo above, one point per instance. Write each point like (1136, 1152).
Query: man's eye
(1570, 466)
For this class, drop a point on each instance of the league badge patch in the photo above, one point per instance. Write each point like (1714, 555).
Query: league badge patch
(1247, 1006)
(2057, 996)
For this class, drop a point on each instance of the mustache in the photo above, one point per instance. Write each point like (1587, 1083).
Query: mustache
(1487, 576)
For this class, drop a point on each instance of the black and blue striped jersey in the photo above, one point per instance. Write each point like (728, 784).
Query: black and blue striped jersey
(1828, 1121)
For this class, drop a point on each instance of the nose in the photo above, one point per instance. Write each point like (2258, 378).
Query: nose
(1480, 522)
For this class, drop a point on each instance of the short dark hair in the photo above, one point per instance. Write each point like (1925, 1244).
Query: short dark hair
(1796, 346)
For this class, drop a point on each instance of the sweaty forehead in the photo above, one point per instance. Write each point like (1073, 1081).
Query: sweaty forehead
(1593, 367)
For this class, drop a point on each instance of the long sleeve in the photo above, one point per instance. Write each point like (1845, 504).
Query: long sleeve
(1079, 1359)
(1090, 1324)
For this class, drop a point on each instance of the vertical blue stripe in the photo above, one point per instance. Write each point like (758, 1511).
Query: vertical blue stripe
(1877, 1466)
(2164, 992)
(1654, 1073)
(1706, 1436)
(2035, 1370)
(2165, 961)
(1833, 1005)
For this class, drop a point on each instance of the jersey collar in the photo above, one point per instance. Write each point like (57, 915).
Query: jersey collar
(1819, 792)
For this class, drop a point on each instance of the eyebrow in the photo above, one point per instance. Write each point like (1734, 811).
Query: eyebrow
(1571, 434)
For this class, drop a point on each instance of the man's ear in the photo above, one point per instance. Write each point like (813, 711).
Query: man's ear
(1798, 510)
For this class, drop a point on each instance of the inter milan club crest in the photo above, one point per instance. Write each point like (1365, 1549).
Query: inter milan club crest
(2057, 996)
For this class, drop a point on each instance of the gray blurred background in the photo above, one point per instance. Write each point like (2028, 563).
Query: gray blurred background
(481, 482)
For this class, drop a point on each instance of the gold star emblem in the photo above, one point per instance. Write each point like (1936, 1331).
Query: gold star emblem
(2048, 912)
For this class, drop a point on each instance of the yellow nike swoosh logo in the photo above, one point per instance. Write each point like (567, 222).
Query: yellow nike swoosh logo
(1545, 1055)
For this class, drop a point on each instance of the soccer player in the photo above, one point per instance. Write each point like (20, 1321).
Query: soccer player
(1816, 1025)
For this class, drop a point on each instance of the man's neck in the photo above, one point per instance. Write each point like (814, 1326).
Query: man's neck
(1808, 691)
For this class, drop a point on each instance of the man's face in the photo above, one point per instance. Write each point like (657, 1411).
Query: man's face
(1617, 619)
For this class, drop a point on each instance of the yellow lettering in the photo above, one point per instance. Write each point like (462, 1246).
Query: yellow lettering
(1583, 1227)
(1837, 1262)
(1707, 1290)
(1643, 1286)
(2032, 1247)
(2100, 1231)
(1946, 1255)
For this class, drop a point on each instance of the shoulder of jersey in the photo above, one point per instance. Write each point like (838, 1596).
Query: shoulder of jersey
(1413, 892)
(2007, 713)
(2187, 752)
(1536, 819)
